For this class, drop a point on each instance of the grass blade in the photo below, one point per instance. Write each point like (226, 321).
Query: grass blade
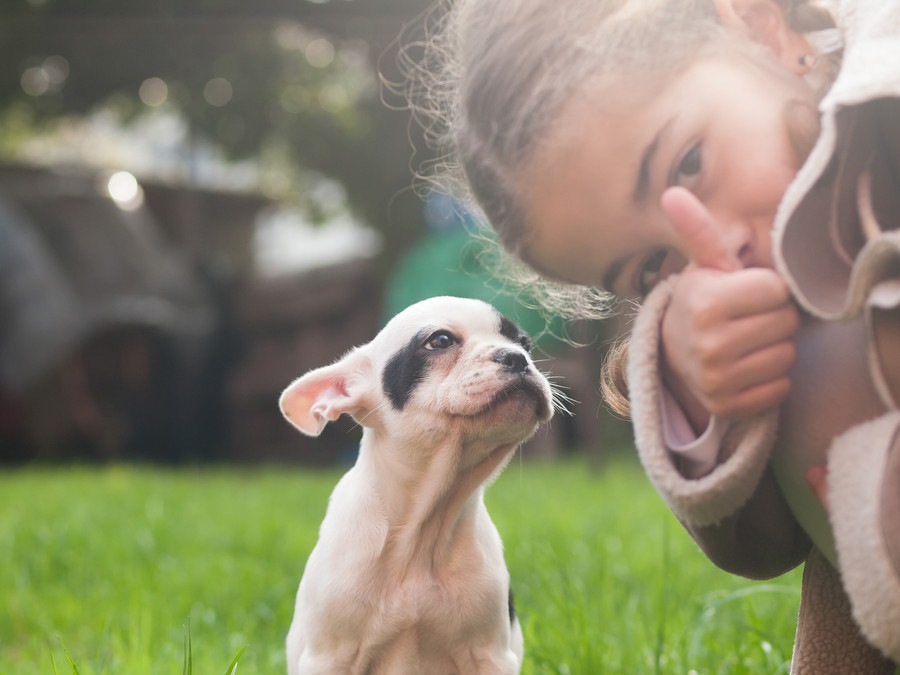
(232, 668)
(188, 656)
(68, 656)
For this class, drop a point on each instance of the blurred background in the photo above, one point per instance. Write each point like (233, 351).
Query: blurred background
(202, 199)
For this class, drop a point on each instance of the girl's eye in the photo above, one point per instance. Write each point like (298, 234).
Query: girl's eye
(439, 341)
(689, 167)
(649, 273)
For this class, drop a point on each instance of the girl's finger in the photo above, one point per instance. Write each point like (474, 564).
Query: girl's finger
(702, 239)
(752, 332)
(764, 365)
(753, 400)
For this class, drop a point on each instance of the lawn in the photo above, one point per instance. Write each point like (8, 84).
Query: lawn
(111, 565)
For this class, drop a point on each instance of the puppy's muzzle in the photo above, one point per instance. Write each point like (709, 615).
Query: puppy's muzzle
(524, 381)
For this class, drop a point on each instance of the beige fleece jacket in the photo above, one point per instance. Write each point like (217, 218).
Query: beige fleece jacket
(837, 244)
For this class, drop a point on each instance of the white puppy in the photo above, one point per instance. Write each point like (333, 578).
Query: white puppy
(408, 575)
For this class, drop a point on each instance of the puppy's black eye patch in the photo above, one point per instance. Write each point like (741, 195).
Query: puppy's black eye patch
(513, 333)
(406, 369)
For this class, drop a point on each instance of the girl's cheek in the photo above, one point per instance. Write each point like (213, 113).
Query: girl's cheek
(801, 121)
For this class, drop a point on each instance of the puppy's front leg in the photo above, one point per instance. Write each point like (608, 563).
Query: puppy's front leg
(322, 664)
(498, 663)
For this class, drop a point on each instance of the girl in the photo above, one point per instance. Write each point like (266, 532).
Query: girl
(643, 149)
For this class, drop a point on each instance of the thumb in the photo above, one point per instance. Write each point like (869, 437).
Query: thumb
(700, 235)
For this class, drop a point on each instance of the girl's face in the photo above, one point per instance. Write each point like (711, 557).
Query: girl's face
(591, 193)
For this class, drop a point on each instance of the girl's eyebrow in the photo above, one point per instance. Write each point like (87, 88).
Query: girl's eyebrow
(608, 282)
(642, 184)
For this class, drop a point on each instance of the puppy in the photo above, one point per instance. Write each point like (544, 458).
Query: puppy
(408, 575)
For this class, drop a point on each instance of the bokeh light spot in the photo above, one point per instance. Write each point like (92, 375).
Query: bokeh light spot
(35, 81)
(153, 91)
(124, 189)
(218, 92)
(320, 53)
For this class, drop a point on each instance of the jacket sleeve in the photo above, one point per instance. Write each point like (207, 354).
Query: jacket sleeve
(864, 507)
(736, 512)
(828, 639)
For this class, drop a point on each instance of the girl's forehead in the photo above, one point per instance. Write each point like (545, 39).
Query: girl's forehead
(582, 179)
(609, 102)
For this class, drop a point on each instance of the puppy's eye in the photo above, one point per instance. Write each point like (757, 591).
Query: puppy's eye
(439, 340)
(526, 343)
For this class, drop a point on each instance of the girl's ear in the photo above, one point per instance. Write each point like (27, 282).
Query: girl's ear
(764, 22)
(322, 395)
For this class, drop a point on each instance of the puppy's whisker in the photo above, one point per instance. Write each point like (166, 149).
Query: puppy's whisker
(367, 415)
(562, 402)
(521, 466)
(562, 396)
(559, 389)
(560, 399)
(556, 381)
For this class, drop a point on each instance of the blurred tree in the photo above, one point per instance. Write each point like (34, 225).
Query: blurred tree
(299, 76)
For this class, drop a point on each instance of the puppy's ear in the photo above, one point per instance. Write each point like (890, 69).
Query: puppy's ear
(322, 395)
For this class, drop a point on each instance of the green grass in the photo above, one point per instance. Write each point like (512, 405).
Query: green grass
(102, 571)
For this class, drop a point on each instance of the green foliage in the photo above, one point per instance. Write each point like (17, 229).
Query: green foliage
(188, 666)
(115, 561)
(248, 77)
(188, 655)
(607, 581)
(68, 658)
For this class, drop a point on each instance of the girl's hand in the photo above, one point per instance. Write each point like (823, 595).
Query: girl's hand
(727, 336)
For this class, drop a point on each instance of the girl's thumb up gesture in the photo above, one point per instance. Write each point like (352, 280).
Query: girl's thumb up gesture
(727, 335)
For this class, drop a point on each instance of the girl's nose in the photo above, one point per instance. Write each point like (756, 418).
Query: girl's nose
(750, 240)
(746, 254)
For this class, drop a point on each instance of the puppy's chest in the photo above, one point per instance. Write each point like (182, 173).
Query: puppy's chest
(444, 603)
(434, 626)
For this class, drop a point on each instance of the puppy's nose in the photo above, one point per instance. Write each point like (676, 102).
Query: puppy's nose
(511, 359)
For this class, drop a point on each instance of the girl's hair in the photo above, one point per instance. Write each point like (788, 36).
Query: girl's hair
(493, 74)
